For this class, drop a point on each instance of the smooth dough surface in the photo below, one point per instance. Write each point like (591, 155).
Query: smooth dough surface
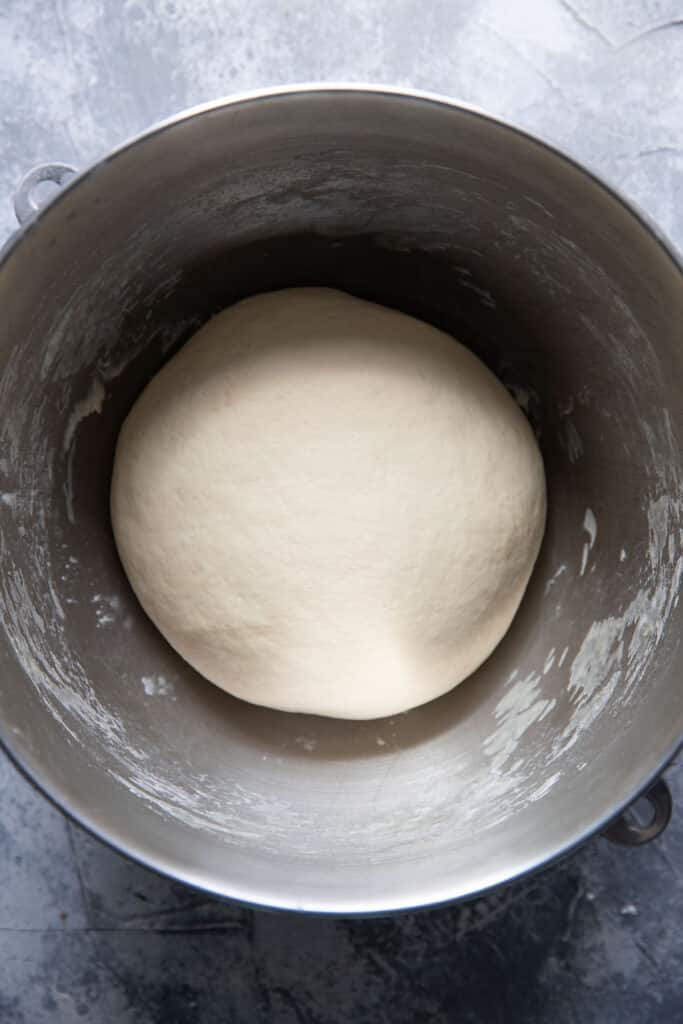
(327, 506)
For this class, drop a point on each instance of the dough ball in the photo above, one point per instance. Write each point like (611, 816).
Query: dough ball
(327, 506)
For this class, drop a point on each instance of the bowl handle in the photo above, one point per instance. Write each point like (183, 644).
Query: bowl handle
(26, 202)
(626, 831)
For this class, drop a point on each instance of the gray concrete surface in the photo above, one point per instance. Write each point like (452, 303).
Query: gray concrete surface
(87, 936)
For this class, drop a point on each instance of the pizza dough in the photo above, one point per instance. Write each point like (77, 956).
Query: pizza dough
(328, 506)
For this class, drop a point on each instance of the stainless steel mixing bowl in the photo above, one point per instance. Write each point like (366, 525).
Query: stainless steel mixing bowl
(415, 202)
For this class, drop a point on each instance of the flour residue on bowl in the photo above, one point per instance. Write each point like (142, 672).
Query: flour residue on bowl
(521, 706)
(42, 649)
(561, 569)
(157, 686)
(616, 650)
(607, 664)
(549, 661)
(88, 406)
(106, 608)
(590, 527)
(233, 815)
(544, 787)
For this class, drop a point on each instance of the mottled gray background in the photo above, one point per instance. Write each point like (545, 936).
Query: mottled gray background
(87, 936)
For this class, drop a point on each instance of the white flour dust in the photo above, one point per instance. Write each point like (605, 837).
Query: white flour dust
(88, 406)
(157, 686)
(590, 527)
